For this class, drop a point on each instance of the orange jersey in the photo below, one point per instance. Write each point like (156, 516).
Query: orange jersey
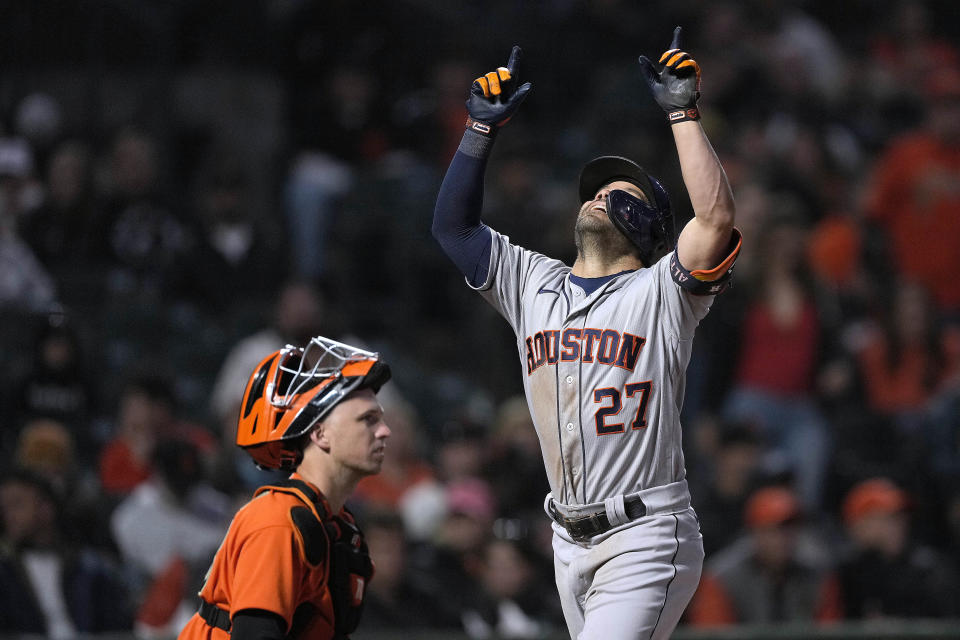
(264, 563)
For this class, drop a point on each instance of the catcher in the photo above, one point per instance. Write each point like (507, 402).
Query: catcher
(293, 563)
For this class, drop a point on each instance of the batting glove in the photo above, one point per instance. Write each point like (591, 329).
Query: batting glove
(495, 97)
(676, 87)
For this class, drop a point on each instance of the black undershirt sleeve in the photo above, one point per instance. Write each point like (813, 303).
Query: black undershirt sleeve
(257, 624)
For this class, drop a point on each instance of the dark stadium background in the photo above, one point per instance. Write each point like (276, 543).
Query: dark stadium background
(177, 175)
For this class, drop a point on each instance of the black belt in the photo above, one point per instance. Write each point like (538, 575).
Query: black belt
(215, 616)
(585, 527)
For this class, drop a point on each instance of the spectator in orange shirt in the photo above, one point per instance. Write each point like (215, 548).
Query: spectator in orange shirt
(293, 562)
(901, 361)
(915, 193)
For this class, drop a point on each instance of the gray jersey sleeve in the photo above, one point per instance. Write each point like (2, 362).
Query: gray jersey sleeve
(681, 310)
(512, 268)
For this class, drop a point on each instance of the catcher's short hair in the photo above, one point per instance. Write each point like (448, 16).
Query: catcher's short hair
(293, 389)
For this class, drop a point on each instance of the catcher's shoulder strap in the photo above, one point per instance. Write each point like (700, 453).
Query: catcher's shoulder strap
(309, 521)
(336, 541)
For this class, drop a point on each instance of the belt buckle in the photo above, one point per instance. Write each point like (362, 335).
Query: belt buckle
(587, 527)
(577, 527)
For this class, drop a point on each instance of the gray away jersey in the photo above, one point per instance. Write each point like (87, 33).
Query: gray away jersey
(604, 374)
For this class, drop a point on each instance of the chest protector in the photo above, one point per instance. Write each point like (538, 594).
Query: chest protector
(336, 541)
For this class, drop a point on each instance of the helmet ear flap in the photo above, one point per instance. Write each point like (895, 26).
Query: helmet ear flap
(642, 223)
(255, 389)
(661, 201)
(255, 420)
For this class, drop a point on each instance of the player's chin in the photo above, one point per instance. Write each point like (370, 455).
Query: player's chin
(593, 221)
(375, 462)
(366, 469)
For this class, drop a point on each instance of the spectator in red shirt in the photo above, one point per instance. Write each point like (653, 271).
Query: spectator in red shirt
(773, 384)
(146, 415)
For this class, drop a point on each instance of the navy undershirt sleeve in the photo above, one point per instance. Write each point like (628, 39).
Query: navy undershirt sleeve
(456, 217)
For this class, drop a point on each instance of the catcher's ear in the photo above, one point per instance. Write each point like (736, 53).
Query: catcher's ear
(318, 436)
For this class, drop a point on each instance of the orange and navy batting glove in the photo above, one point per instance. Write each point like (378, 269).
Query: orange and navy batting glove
(676, 87)
(495, 97)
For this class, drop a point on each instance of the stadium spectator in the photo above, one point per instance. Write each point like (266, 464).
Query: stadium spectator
(46, 447)
(448, 563)
(297, 315)
(145, 416)
(167, 530)
(141, 233)
(24, 282)
(396, 601)
(779, 356)
(913, 196)
(49, 584)
(63, 230)
(769, 576)
(511, 601)
(235, 263)
(462, 450)
(734, 469)
(902, 357)
(57, 385)
(513, 466)
(886, 575)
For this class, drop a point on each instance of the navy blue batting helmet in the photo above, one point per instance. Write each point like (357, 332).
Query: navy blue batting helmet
(648, 225)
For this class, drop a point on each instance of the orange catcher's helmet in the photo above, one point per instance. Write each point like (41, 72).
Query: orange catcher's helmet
(293, 389)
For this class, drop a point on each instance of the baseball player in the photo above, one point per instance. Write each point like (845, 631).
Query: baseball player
(293, 563)
(603, 347)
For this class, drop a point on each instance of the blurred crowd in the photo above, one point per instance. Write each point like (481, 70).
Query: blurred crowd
(186, 187)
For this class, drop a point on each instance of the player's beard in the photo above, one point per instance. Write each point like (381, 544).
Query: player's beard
(596, 236)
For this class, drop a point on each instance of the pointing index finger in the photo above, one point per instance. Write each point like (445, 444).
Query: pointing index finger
(514, 60)
(675, 43)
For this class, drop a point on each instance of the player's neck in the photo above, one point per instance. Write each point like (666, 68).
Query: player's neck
(335, 485)
(595, 266)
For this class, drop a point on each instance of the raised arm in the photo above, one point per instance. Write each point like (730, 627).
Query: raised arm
(705, 241)
(494, 97)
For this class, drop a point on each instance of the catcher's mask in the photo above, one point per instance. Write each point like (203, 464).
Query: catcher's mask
(648, 225)
(293, 389)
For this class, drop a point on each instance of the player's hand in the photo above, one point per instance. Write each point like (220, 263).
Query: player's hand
(676, 86)
(496, 96)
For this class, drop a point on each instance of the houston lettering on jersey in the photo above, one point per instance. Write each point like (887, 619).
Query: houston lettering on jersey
(604, 346)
